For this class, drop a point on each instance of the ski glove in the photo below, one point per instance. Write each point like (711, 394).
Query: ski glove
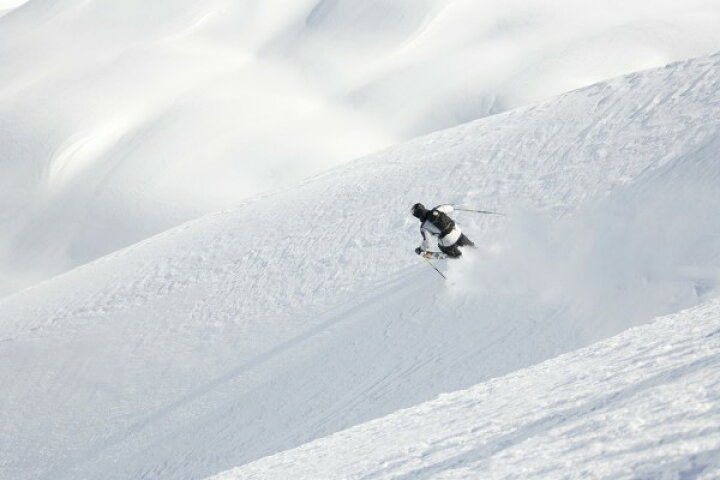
(418, 250)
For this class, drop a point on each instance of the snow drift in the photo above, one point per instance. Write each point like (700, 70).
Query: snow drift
(119, 120)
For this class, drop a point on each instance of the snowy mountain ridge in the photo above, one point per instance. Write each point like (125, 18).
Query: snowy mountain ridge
(175, 357)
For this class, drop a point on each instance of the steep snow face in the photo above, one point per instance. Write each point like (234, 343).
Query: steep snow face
(121, 119)
(305, 312)
(644, 404)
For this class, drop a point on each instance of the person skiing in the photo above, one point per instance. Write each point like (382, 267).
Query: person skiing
(437, 223)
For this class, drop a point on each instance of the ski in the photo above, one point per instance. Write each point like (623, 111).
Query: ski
(434, 255)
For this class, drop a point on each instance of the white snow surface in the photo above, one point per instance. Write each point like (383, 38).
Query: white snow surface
(120, 119)
(7, 5)
(644, 404)
(304, 312)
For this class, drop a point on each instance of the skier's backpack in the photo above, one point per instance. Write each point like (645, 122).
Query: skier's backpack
(442, 221)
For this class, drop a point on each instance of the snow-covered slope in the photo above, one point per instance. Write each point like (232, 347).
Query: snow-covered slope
(304, 312)
(643, 404)
(121, 119)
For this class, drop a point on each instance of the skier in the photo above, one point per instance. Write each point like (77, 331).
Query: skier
(436, 222)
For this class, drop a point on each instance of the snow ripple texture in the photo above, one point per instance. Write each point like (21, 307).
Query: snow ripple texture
(643, 404)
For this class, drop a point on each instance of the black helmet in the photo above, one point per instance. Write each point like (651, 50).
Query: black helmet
(419, 211)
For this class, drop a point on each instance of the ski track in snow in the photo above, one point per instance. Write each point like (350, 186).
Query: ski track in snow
(304, 311)
(643, 404)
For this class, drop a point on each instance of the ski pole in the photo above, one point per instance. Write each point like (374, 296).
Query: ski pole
(434, 268)
(486, 212)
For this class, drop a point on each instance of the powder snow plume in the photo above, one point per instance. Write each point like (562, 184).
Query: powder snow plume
(640, 252)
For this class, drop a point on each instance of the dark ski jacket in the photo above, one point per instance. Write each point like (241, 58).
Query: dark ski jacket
(437, 223)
